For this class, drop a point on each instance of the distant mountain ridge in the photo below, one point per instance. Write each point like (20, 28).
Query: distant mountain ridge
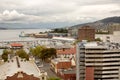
(1, 28)
(101, 24)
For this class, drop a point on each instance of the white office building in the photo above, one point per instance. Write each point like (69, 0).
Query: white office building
(98, 61)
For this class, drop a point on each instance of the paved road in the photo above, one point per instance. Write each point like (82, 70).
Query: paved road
(46, 68)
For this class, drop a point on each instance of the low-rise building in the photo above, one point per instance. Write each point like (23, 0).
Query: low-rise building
(114, 37)
(60, 63)
(63, 68)
(66, 53)
(68, 74)
(16, 46)
(43, 35)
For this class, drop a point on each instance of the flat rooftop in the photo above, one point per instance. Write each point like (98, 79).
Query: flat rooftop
(57, 60)
(102, 45)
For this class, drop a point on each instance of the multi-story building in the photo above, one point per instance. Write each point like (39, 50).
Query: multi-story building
(63, 68)
(60, 63)
(66, 53)
(98, 61)
(86, 33)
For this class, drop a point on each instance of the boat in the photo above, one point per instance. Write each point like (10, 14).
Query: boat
(22, 34)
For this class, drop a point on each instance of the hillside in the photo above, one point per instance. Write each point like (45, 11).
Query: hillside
(101, 24)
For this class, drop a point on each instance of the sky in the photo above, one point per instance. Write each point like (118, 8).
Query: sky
(55, 13)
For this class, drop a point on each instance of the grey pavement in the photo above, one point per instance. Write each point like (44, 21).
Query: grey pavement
(46, 68)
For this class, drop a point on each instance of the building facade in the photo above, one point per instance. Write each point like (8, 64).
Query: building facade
(86, 33)
(60, 63)
(66, 53)
(98, 61)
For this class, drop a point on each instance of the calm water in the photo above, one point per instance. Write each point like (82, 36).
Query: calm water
(14, 34)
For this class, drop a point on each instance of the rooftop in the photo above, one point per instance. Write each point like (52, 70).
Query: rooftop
(57, 60)
(16, 45)
(69, 71)
(63, 38)
(10, 68)
(22, 76)
(66, 51)
(103, 45)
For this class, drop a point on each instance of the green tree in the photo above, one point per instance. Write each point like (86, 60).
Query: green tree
(5, 55)
(98, 39)
(37, 51)
(48, 53)
(60, 30)
(21, 53)
(43, 52)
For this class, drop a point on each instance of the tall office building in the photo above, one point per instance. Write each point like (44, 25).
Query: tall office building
(98, 61)
(86, 33)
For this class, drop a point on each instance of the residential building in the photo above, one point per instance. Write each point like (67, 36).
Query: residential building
(66, 52)
(98, 61)
(63, 68)
(60, 63)
(68, 74)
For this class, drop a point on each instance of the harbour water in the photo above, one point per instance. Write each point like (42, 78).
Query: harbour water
(14, 34)
(7, 36)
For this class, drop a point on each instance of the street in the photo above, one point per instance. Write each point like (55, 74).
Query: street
(46, 68)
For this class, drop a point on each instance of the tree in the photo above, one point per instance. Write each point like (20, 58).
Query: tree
(98, 39)
(43, 52)
(48, 53)
(21, 53)
(59, 30)
(37, 51)
(5, 55)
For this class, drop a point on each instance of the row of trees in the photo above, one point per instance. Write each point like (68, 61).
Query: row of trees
(59, 30)
(21, 53)
(40, 52)
(43, 53)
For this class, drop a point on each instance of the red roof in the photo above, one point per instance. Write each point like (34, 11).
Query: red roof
(16, 45)
(21, 76)
(66, 51)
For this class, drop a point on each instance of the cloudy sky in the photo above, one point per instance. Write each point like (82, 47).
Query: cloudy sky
(56, 13)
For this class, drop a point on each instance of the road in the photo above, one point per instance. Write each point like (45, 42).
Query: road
(46, 68)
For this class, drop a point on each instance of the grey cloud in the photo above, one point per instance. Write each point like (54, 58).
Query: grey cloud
(58, 10)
